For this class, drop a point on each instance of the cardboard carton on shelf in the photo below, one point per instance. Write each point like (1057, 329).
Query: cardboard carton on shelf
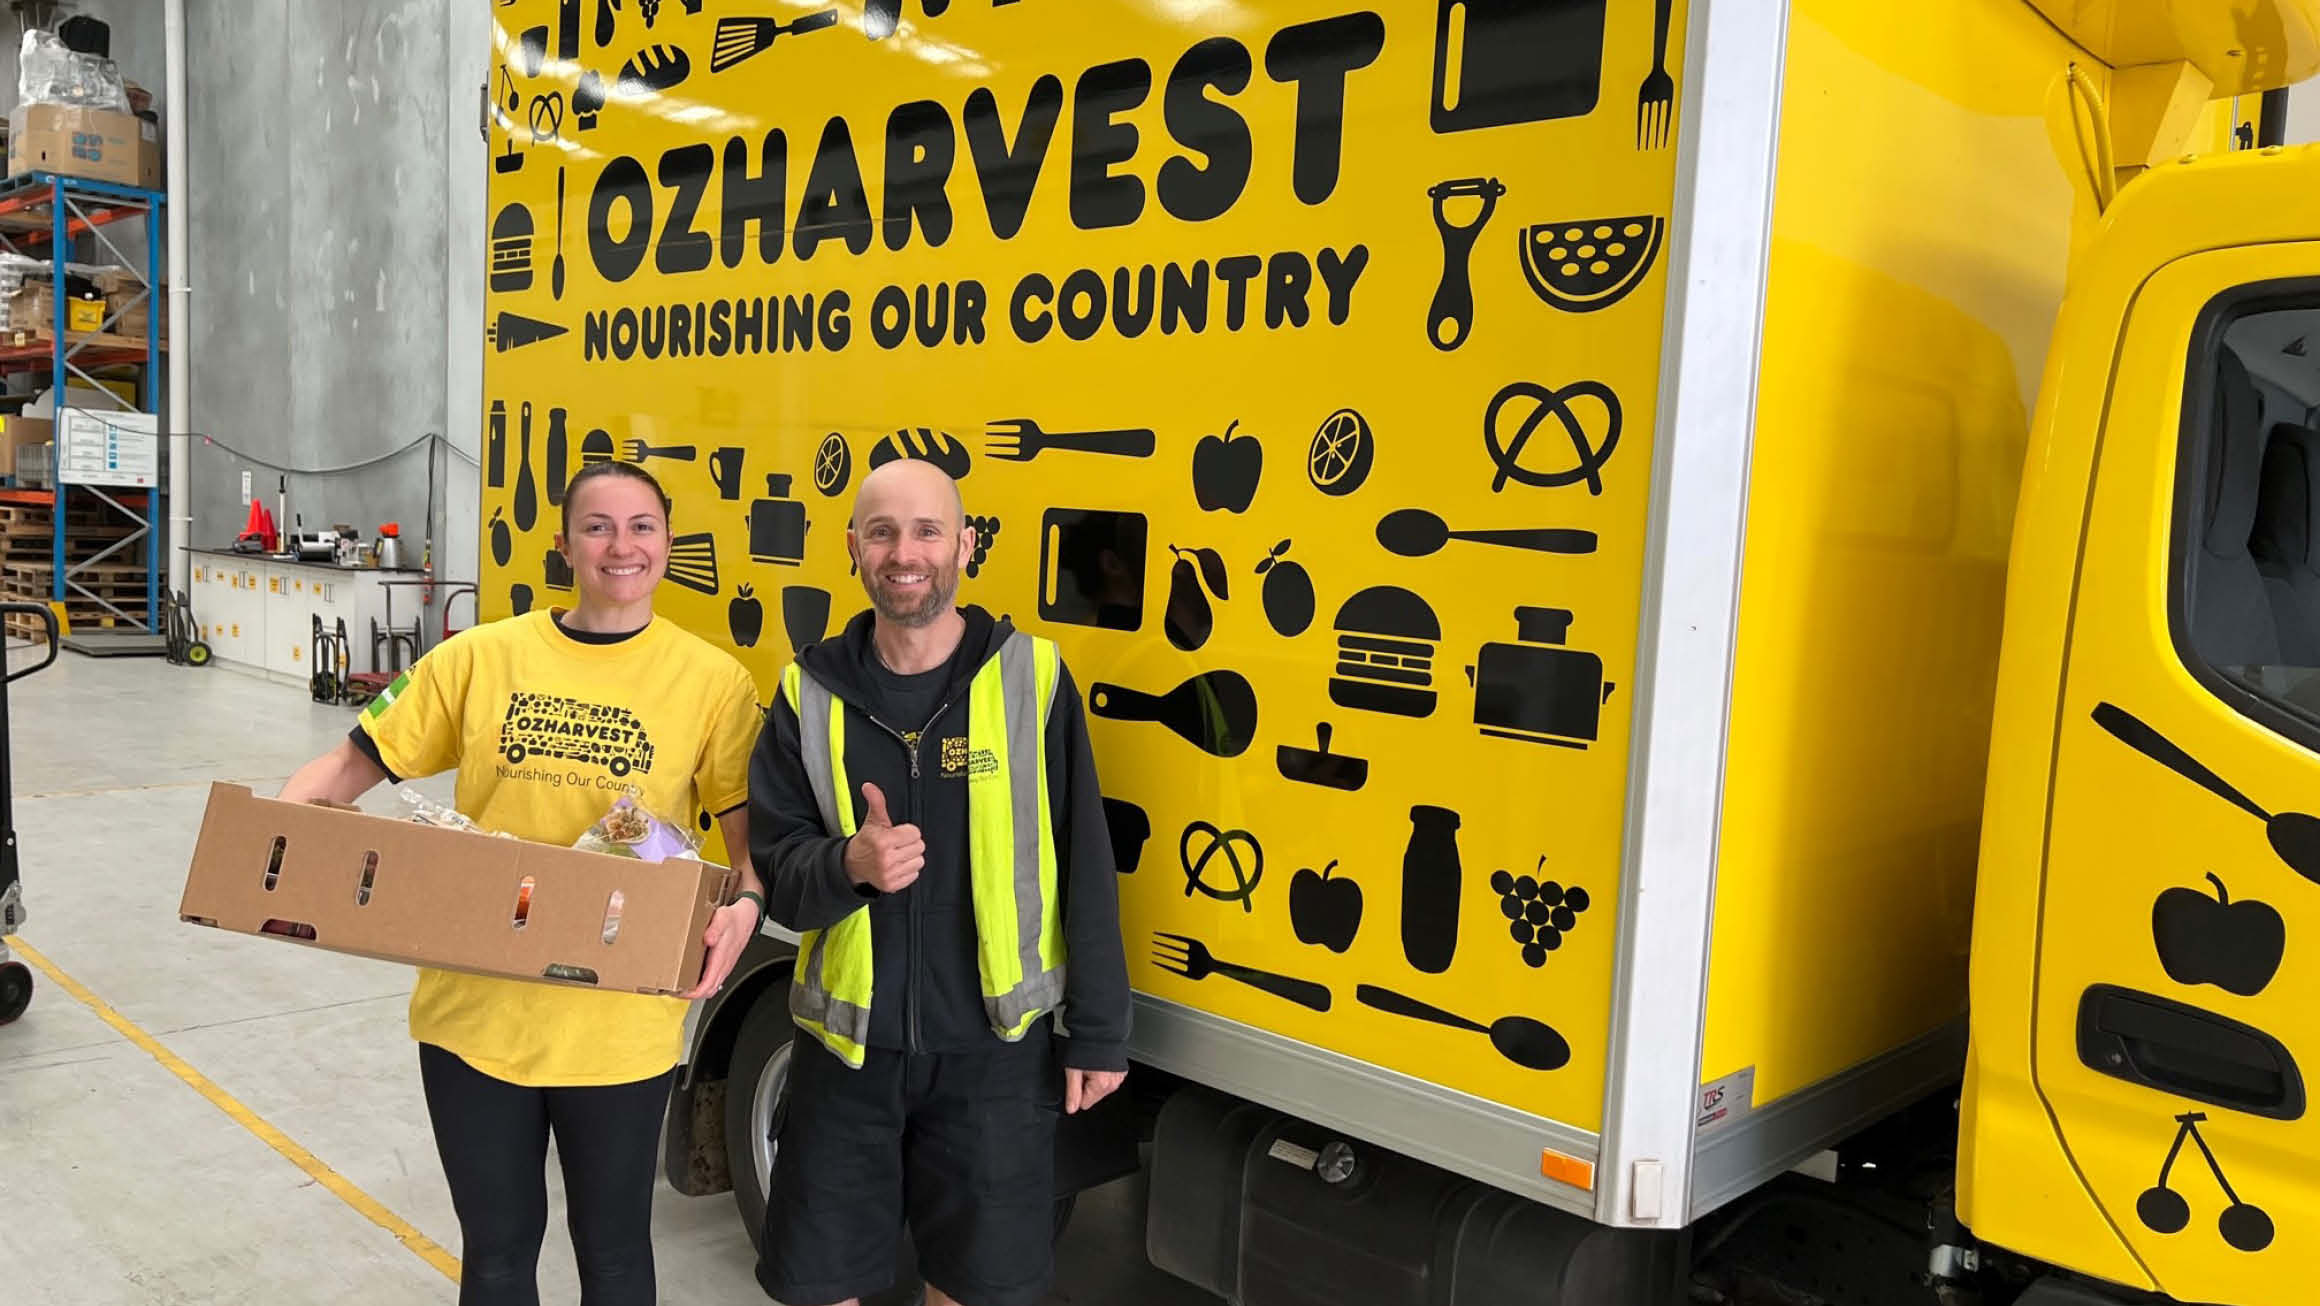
(395, 890)
(99, 144)
(19, 432)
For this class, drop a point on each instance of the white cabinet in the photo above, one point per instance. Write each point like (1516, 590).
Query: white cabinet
(226, 608)
(259, 612)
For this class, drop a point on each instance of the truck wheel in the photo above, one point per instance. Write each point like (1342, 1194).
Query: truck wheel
(15, 990)
(753, 1101)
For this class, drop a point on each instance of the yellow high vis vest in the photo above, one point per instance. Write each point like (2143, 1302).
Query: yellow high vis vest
(1010, 852)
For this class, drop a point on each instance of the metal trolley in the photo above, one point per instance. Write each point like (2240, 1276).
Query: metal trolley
(15, 976)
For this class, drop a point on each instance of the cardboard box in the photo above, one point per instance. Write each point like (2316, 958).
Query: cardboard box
(98, 144)
(395, 890)
(19, 432)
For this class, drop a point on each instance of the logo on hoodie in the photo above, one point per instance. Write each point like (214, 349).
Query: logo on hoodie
(960, 760)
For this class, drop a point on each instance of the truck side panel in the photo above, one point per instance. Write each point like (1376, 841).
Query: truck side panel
(1904, 342)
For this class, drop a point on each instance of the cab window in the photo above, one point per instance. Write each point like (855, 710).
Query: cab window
(2247, 555)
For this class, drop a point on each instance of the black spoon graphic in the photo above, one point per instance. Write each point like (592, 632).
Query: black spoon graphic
(1215, 710)
(1519, 1039)
(1415, 532)
(2295, 836)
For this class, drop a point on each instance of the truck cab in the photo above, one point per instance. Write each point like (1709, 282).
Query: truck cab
(2134, 1102)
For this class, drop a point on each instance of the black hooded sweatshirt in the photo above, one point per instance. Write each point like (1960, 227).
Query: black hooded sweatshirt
(927, 992)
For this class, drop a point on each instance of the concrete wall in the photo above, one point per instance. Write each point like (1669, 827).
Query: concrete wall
(336, 226)
(319, 162)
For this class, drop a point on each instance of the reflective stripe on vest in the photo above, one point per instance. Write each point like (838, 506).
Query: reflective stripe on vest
(1011, 861)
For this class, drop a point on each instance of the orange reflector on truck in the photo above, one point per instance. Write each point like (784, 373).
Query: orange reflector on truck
(1567, 1169)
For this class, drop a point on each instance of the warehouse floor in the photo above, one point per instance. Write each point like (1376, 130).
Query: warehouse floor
(189, 1116)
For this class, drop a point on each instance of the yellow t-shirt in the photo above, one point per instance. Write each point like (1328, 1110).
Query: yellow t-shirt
(546, 732)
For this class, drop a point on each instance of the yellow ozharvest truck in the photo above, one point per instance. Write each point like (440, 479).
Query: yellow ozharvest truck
(1606, 541)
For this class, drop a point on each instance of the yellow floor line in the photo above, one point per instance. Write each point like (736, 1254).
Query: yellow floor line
(425, 1248)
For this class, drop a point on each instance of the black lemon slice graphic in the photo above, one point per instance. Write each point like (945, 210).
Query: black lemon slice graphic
(1580, 267)
(1338, 459)
(833, 464)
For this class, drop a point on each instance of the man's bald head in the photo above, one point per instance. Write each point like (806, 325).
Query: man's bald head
(910, 538)
(907, 489)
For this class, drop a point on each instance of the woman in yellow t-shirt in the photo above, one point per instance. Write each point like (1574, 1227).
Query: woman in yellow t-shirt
(548, 718)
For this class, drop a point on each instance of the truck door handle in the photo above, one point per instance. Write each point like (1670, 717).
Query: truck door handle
(2163, 1044)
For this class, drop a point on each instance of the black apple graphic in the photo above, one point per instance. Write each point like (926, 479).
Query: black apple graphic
(2236, 946)
(1325, 912)
(746, 616)
(1225, 470)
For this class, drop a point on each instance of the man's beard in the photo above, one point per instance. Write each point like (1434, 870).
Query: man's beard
(942, 588)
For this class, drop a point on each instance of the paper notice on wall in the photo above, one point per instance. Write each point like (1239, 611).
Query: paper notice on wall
(100, 448)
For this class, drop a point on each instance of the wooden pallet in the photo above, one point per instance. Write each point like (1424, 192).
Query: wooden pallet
(20, 578)
(38, 516)
(20, 539)
(83, 614)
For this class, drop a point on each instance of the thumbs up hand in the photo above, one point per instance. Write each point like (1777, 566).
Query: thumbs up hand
(883, 855)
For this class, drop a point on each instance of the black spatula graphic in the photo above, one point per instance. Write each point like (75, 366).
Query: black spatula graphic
(742, 39)
(1215, 710)
(2295, 836)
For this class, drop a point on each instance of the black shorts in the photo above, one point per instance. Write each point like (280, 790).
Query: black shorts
(960, 1144)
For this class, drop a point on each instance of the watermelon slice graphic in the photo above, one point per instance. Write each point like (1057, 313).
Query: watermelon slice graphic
(1583, 266)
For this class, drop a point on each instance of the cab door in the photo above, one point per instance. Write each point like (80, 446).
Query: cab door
(2179, 935)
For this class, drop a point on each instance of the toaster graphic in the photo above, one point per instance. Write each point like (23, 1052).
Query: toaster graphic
(1536, 689)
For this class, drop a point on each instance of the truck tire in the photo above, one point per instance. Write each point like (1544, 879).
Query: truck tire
(753, 1101)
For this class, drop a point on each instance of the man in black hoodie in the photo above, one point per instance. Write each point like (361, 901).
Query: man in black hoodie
(961, 978)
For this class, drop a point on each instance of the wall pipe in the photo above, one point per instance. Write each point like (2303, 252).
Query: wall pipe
(180, 484)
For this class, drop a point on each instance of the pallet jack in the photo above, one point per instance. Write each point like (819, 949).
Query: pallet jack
(15, 976)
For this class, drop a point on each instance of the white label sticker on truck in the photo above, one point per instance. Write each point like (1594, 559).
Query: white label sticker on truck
(1726, 1100)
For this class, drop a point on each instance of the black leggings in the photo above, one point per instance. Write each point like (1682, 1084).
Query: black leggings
(493, 1138)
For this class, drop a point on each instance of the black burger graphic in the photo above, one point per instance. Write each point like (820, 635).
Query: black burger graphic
(1385, 653)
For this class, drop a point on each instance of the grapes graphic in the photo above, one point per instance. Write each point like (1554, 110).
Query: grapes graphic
(1540, 912)
(986, 534)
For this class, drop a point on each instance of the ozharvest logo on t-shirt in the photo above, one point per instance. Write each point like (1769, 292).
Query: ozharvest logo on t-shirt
(959, 760)
(572, 730)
